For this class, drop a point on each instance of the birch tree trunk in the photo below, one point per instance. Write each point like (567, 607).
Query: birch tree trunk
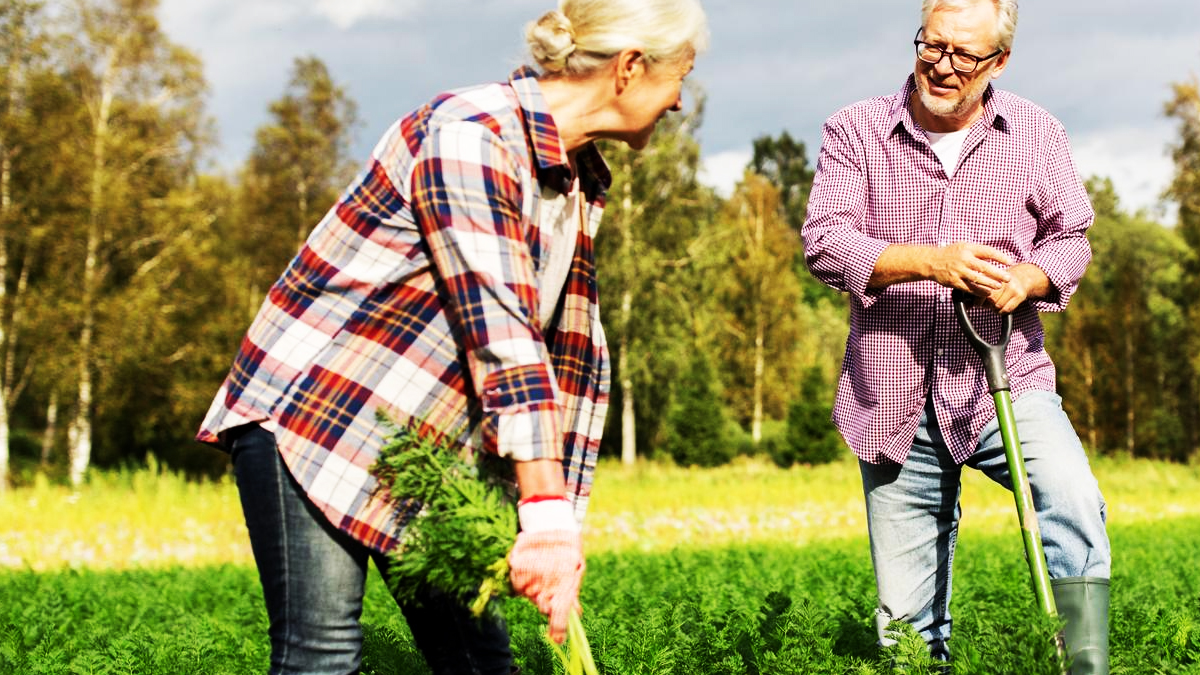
(5, 213)
(1089, 379)
(760, 328)
(80, 431)
(51, 431)
(628, 418)
(1130, 399)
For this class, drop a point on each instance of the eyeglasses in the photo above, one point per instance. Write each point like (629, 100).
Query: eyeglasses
(960, 61)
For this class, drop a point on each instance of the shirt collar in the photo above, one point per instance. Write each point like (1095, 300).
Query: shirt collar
(545, 145)
(994, 108)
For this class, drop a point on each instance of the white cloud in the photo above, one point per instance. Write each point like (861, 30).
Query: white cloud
(1137, 161)
(724, 170)
(346, 13)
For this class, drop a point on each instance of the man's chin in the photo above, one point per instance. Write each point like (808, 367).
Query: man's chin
(940, 107)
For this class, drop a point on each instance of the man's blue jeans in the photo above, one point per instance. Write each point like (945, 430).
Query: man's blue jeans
(313, 578)
(913, 513)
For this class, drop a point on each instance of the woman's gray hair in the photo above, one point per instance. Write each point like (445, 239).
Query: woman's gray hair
(582, 35)
(1006, 16)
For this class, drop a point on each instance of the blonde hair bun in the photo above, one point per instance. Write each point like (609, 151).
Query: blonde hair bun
(551, 41)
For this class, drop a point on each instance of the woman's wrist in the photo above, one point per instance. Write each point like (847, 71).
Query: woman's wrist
(545, 513)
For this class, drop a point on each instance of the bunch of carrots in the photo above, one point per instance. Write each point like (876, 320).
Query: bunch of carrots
(464, 527)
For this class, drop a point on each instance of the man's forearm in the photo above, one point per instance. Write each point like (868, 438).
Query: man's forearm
(901, 263)
(975, 268)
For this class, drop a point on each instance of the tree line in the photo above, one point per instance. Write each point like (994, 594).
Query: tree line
(128, 271)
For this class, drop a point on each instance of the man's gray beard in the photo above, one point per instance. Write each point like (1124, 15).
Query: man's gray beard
(941, 108)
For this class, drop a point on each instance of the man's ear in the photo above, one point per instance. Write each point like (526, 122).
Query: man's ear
(1001, 64)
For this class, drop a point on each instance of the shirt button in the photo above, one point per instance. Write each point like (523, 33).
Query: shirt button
(940, 351)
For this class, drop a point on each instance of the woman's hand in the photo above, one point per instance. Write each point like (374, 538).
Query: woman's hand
(546, 562)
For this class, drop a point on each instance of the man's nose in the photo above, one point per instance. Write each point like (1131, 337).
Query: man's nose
(946, 69)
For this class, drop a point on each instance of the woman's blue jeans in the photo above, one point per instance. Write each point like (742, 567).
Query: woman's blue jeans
(913, 512)
(313, 578)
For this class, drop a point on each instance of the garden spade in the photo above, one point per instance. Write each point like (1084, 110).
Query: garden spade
(997, 379)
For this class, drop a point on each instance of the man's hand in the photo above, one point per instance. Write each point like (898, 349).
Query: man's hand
(547, 560)
(1027, 282)
(974, 268)
(971, 268)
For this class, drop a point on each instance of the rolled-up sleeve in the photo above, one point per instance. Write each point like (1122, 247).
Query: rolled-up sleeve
(467, 200)
(1064, 214)
(836, 250)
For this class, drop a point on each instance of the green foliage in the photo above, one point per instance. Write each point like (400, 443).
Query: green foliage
(648, 252)
(299, 165)
(732, 610)
(754, 299)
(811, 437)
(696, 421)
(1125, 398)
(774, 437)
(458, 541)
(168, 621)
(129, 271)
(783, 161)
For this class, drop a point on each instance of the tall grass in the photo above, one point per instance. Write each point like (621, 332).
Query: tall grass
(654, 506)
(743, 569)
(123, 519)
(744, 609)
(153, 517)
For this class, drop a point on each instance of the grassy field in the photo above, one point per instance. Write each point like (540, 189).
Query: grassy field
(744, 569)
(154, 518)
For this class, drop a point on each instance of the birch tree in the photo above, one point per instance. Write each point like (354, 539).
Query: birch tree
(758, 302)
(21, 54)
(1120, 346)
(1184, 107)
(141, 96)
(645, 253)
(298, 166)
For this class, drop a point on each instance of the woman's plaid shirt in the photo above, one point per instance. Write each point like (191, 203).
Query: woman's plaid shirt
(417, 296)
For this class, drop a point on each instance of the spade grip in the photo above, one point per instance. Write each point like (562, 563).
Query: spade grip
(992, 354)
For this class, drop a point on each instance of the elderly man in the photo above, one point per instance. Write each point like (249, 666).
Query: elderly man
(953, 184)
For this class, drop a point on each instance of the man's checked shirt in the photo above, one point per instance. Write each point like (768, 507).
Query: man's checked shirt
(417, 295)
(878, 182)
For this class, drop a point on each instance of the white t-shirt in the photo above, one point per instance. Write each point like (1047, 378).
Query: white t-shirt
(562, 215)
(948, 146)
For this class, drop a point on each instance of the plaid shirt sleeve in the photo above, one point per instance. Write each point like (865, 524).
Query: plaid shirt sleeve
(1064, 213)
(467, 199)
(837, 251)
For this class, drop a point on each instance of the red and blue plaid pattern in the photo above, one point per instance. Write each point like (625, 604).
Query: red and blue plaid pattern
(878, 182)
(416, 295)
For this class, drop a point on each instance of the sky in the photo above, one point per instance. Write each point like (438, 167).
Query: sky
(1104, 69)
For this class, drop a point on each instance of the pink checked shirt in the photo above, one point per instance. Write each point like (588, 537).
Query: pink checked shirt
(417, 296)
(877, 183)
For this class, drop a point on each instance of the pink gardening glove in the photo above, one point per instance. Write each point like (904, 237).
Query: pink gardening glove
(546, 564)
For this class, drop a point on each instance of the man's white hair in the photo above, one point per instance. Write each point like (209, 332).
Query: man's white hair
(1006, 16)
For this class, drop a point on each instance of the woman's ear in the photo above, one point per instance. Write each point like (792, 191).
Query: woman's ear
(631, 65)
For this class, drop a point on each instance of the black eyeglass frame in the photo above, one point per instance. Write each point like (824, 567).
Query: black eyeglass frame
(942, 53)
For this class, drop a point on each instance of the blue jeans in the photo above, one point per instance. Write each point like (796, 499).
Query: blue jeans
(913, 513)
(313, 577)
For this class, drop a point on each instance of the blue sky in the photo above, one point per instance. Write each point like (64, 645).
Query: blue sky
(1104, 69)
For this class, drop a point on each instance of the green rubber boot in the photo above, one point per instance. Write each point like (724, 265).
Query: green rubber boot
(1083, 604)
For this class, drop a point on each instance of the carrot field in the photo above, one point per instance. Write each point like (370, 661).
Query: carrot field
(743, 569)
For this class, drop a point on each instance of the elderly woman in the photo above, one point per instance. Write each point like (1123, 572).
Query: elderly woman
(453, 287)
